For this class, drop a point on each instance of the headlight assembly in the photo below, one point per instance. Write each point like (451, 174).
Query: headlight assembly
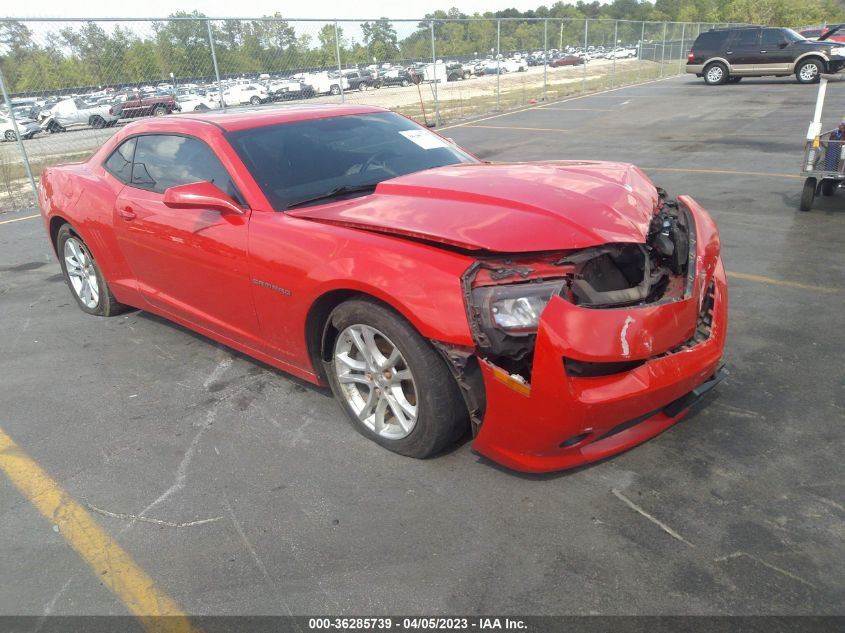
(514, 308)
(839, 50)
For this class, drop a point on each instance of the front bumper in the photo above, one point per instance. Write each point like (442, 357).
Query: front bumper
(563, 421)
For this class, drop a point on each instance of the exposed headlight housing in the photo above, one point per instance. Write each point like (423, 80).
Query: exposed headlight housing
(514, 309)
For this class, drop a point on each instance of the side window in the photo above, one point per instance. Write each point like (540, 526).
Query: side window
(119, 164)
(163, 161)
(747, 37)
(772, 38)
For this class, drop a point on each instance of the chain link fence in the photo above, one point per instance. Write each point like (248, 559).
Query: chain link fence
(68, 85)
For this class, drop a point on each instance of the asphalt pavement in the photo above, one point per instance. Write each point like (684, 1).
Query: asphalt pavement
(240, 490)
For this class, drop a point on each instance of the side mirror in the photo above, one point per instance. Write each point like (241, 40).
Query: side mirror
(200, 195)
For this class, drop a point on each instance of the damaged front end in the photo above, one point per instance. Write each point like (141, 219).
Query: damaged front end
(573, 345)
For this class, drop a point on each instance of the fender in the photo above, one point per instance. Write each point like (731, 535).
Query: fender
(294, 262)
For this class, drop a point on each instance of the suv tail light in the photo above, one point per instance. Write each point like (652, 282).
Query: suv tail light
(690, 56)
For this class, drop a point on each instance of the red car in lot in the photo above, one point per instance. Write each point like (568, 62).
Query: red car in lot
(562, 311)
(566, 60)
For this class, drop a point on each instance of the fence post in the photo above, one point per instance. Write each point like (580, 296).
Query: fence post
(615, 44)
(681, 55)
(214, 61)
(586, 32)
(339, 67)
(663, 53)
(640, 51)
(434, 66)
(498, 60)
(545, 57)
(19, 139)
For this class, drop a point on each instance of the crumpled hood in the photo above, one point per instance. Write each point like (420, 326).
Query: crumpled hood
(510, 208)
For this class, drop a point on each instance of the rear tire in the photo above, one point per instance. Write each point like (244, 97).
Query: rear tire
(335, 90)
(715, 74)
(828, 187)
(10, 135)
(254, 100)
(427, 395)
(808, 194)
(159, 111)
(97, 122)
(83, 275)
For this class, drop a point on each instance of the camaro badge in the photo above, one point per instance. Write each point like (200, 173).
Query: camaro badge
(265, 284)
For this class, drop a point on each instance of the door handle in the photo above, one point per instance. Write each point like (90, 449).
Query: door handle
(127, 213)
(729, 53)
(764, 51)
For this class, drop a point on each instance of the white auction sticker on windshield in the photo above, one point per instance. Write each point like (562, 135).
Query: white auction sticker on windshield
(424, 139)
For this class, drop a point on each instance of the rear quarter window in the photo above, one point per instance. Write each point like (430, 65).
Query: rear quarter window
(711, 41)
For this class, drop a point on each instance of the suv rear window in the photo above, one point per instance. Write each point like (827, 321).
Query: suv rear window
(711, 40)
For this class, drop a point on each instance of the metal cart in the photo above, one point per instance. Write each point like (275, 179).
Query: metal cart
(824, 160)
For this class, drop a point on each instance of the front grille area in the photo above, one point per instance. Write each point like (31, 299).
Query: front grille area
(704, 324)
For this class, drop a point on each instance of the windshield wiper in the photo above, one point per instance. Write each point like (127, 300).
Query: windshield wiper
(337, 191)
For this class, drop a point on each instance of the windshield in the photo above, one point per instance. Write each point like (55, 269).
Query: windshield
(792, 36)
(307, 160)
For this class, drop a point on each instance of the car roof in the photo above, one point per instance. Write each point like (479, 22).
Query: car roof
(248, 118)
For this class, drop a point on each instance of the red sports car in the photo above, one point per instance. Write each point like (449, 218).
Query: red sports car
(566, 60)
(562, 312)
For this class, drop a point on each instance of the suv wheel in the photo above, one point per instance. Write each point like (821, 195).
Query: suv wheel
(715, 74)
(809, 71)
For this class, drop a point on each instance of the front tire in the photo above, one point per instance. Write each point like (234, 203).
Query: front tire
(394, 387)
(159, 111)
(715, 74)
(83, 275)
(254, 100)
(10, 135)
(808, 194)
(809, 71)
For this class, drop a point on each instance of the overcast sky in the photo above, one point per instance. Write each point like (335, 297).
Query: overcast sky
(359, 9)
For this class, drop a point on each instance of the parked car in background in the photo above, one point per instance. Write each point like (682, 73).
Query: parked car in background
(566, 60)
(136, 104)
(729, 54)
(360, 79)
(243, 94)
(812, 33)
(288, 89)
(323, 83)
(197, 103)
(26, 127)
(75, 112)
(399, 77)
(564, 311)
(456, 71)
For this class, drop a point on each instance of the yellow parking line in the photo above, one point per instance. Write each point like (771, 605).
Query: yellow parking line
(508, 127)
(783, 282)
(26, 217)
(723, 172)
(110, 563)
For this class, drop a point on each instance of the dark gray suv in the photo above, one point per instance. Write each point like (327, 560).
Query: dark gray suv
(728, 55)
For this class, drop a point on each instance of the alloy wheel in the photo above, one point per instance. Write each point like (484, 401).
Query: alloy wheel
(714, 75)
(81, 272)
(808, 72)
(376, 382)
